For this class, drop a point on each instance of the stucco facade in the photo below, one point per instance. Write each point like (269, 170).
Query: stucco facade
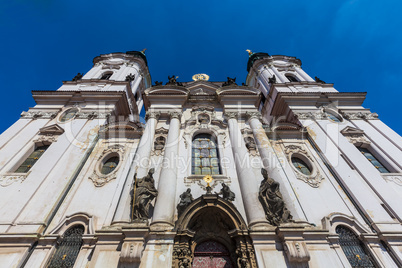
(331, 164)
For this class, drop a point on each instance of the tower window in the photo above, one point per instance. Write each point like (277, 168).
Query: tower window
(68, 249)
(32, 159)
(301, 166)
(205, 158)
(110, 165)
(374, 161)
(106, 76)
(291, 78)
(353, 248)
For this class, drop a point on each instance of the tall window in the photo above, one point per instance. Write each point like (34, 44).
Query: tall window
(373, 160)
(31, 160)
(205, 158)
(68, 249)
(353, 248)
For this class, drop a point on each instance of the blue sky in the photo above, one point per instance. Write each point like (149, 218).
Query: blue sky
(354, 44)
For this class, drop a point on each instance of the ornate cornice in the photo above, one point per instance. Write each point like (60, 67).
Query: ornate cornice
(360, 115)
(38, 114)
(92, 115)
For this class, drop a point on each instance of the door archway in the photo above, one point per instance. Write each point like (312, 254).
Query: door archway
(210, 254)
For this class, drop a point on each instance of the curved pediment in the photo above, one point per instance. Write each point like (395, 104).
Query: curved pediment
(202, 88)
(167, 89)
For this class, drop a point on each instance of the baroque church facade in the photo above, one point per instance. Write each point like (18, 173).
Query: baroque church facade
(281, 171)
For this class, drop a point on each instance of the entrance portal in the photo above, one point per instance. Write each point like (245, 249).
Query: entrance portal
(211, 254)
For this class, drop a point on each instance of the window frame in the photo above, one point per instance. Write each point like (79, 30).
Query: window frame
(65, 112)
(26, 155)
(376, 157)
(287, 75)
(107, 73)
(214, 140)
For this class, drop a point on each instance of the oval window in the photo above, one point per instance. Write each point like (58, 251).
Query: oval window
(301, 166)
(334, 118)
(110, 165)
(68, 115)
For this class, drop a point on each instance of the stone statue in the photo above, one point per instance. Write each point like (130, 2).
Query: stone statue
(318, 80)
(185, 200)
(226, 193)
(172, 80)
(130, 77)
(157, 83)
(272, 201)
(143, 193)
(272, 80)
(250, 143)
(230, 81)
(78, 77)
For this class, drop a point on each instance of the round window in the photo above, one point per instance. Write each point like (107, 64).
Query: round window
(68, 115)
(334, 118)
(109, 165)
(301, 166)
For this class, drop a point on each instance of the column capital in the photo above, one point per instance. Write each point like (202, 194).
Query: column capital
(252, 115)
(174, 114)
(231, 115)
(149, 115)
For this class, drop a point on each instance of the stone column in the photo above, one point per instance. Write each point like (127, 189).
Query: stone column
(165, 203)
(249, 185)
(272, 165)
(139, 164)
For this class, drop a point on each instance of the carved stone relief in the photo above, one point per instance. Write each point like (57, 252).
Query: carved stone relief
(97, 177)
(249, 141)
(355, 136)
(38, 114)
(160, 141)
(315, 178)
(360, 115)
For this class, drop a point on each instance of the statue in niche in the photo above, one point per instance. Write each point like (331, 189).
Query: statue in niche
(318, 80)
(157, 83)
(203, 118)
(250, 143)
(185, 200)
(272, 201)
(159, 143)
(143, 193)
(272, 80)
(130, 77)
(226, 193)
(230, 81)
(78, 77)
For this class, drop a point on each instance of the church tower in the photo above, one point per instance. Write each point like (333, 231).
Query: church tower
(282, 171)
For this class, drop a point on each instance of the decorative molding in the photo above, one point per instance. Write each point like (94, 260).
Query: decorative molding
(393, 177)
(92, 115)
(253, 115)
(249, 141)
(318, 115)
(97, 177)
(355, 136)
(8, 179)
(296, 251)
(45, 138)
(160, 141)
(155, 115)
(360, 115)
(35, 115)
(174, 114)
(315, 178)
(231, 115)
(198, 179)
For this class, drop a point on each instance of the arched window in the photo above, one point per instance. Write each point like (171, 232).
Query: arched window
(31, 159)
(106, 76)
(291, 78)
(68, 249)
(205, 158)
(353, 248)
